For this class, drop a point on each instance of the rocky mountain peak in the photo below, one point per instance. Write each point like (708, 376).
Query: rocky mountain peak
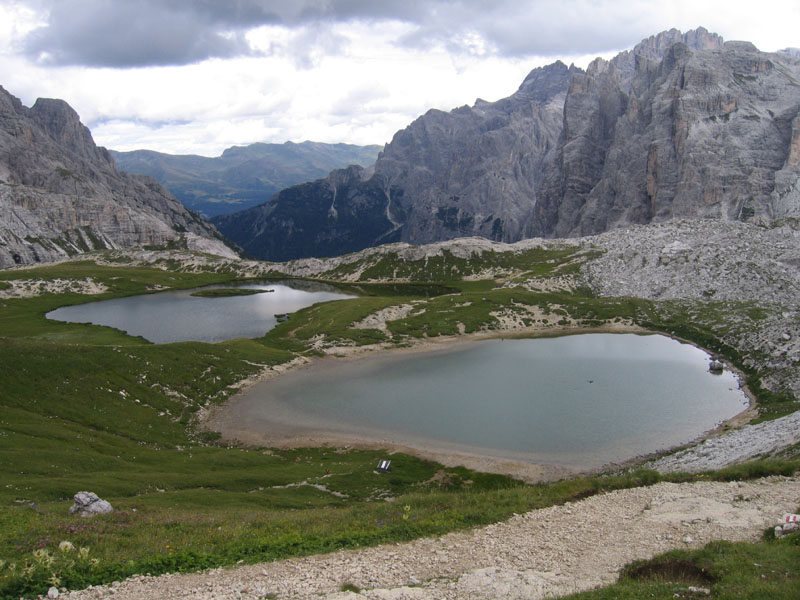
(684, 125)
(656, 46)
(61, 195)
(696, 39)
(543, 83)
(704, 132)
(740, 46)
(8, 103)
(60, 121)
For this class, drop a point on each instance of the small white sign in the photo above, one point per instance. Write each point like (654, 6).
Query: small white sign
(789, 518)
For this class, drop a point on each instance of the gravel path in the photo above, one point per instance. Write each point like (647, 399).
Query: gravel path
(541, 554)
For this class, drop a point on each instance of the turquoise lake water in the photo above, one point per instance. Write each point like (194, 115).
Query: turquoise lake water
(578, 401)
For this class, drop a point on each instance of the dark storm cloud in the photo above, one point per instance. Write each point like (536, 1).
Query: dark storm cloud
(131, 33)
(124, 33)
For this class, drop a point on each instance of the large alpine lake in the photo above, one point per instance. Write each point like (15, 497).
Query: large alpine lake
(580, 401)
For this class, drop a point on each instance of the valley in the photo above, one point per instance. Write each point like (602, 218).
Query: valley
(242, 176)
(131, 410)
(651, 193)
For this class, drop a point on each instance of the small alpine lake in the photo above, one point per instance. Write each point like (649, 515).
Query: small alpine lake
(212, 314)
(578, 401)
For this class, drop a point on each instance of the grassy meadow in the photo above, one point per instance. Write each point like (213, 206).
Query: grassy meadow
(84, 407)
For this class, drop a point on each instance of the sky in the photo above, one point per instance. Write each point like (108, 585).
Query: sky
(199, 76)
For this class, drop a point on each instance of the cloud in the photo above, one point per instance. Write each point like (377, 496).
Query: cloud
(201, 75)
(310, 45)
(135, 33)
(141, 33)
(126, 33)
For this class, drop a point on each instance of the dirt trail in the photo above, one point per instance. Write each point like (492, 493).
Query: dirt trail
(541, 554)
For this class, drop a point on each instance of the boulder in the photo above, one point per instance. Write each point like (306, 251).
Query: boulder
(786, 529)
(88, 504)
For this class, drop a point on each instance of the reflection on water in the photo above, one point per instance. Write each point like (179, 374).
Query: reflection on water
(576, 401)
(177, 316)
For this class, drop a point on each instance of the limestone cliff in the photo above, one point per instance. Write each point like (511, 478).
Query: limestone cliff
(700, 134)
(470, 171)
(62, 195)
(681, 126)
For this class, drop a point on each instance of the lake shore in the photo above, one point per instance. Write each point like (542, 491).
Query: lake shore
(235, 429)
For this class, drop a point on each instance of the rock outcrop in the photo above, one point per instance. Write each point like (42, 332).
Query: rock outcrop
(682, 126)
(61, 195)
(88, 504)
(655, 47)
(701, 134)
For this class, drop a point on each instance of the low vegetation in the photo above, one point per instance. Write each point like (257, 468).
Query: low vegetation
(85, 407)
(722, 570)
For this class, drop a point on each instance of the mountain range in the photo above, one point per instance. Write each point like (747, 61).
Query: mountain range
(243, 176)
(684, 125)
(61, 195)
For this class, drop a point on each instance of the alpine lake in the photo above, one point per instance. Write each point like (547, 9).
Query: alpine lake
(576, 401)
(247, 310)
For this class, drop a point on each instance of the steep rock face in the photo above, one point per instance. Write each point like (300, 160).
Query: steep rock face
(473, 171)
(61, 195)
(682, 126)
(705, 134)
(593, 104)
(655, 47)
(470, 171)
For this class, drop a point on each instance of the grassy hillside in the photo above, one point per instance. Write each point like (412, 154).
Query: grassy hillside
(89, 408)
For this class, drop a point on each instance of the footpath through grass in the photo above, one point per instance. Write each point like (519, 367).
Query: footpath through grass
(89, 408)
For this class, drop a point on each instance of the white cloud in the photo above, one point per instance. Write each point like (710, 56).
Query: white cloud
(336, 71)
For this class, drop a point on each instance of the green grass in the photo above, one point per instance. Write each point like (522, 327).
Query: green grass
(85, 407)
(331, 319)
(188, 529)
(447, 267)
(729, 571)
(89, 408)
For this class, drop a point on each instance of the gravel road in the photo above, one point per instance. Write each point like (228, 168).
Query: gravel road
(541, 554)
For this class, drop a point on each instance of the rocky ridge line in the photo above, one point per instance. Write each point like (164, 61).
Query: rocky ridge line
(61, 195)
(684, 126)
